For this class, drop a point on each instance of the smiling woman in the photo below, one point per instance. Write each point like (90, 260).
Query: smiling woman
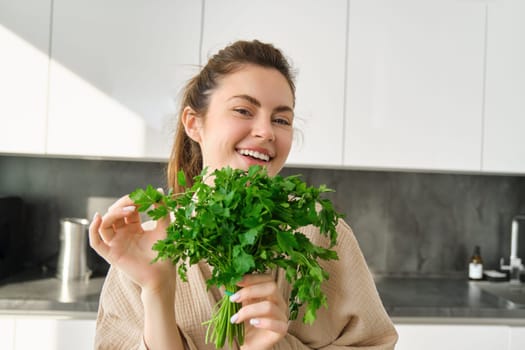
(253, 87)
(248, 121)
(237, 112)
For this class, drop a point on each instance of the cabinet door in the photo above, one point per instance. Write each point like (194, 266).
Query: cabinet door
(452, 337)
(116, 70)
(75, 334)
(504, 144)
(312, 35)
(517, 338)
(7, 334)
(24, 66)
(53, 334)
(37, 333)
(415, 84)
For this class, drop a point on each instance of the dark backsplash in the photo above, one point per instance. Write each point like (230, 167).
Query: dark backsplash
(406, 223)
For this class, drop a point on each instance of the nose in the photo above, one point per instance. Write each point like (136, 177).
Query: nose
(263, 128)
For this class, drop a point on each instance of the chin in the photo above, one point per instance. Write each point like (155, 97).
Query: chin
(272, 170)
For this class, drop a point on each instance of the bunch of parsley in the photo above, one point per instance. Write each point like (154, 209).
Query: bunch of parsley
(246, 222)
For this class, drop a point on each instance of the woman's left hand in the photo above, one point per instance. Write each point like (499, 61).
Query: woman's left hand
(264, 311)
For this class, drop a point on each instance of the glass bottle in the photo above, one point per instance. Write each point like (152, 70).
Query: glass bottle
(475, 266)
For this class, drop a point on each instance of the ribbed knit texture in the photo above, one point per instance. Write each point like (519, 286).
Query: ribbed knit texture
(355, 317)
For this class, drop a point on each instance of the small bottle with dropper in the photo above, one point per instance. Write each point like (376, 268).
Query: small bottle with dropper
(475, 266)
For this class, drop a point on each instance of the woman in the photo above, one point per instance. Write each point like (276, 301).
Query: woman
(237, 111)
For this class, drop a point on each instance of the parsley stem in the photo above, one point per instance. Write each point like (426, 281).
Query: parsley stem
(219, 326)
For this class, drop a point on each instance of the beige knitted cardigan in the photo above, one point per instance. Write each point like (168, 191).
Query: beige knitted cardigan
(355, 317)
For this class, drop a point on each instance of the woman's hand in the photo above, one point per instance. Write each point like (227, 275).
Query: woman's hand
(264, 311)
(120, 239)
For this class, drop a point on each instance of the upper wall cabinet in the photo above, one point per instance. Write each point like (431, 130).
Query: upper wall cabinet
(504, 146)
(117, 68)
(24, 66)
(415, 84)
(312, 34)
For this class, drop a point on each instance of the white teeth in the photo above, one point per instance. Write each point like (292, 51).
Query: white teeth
(255, 154)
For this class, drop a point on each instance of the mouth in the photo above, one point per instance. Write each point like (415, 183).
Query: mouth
(257, 155)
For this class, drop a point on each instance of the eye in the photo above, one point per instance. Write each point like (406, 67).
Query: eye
(242, 111)
(282, 121)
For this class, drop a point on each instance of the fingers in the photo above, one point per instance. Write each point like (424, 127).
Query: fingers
(264, 314)
(263, 305)
(269, 324)
(255, 278)
(123, 201)
(120, 233)
(125, 204)
(115, 219)
(259, 287)
(95, 241)
(120, 214)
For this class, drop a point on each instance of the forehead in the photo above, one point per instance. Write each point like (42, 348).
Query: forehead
(267, 85)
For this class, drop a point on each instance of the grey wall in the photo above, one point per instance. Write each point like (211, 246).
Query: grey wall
(415, 223)
(406, 223)
(55, 188)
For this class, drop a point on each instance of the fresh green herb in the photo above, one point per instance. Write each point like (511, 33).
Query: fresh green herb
(246, 222)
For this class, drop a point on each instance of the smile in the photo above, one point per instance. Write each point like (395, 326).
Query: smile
(255, 154)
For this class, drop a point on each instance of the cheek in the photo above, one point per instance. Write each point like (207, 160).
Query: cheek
(285, 141)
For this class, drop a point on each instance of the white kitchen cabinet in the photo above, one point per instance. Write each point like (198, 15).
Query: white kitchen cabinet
(54, 334)
(312, 34)
(7, 334)
(116, 71)
(517, 338)
(415, 84)
(504, 143)
(452, 337)
(24, 66)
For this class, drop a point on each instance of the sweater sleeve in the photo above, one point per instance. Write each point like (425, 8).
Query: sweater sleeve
(120, 319)
(355, 317)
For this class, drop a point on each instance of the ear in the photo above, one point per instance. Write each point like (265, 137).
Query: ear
(192, 124)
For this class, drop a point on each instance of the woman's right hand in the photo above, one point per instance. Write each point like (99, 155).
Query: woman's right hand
(121, 240)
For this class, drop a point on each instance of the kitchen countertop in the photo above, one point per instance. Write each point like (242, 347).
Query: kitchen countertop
(44, 294)
(446, 300)
(407, 300)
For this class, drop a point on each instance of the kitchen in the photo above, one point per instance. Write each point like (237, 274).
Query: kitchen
(420, 136)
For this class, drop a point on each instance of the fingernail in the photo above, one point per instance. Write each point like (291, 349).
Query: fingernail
(255, 321)
(129, 208)
(235, 297)
(234, 318)
(95, 215)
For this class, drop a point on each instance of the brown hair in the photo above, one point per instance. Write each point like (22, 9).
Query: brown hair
(186, 154)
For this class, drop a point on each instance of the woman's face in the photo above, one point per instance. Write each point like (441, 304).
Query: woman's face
(249, 121)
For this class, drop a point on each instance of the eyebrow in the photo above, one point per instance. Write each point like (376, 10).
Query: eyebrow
(257, 103)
